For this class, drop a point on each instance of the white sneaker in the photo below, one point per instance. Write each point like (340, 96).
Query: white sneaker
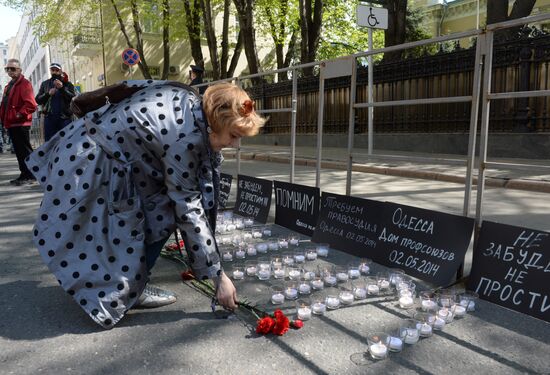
(155, 297)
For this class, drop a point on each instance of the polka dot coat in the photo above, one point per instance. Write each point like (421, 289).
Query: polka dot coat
(121, 177)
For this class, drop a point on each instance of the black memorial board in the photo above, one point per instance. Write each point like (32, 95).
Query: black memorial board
(296, 207)
(225, 189)
(429, 245)
(253, 197)
(511, 267)
(349, 224)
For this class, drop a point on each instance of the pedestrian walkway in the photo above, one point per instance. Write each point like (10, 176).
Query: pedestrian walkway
(450, 168)
(43, 331)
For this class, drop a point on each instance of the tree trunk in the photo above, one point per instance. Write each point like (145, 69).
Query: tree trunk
(225, 38)
(245, 10)
(193, 23)
(311, 16)
(166, 38)
(139, 41)
(236, 55)
(497, 11)
(396, 32)
(211, 37)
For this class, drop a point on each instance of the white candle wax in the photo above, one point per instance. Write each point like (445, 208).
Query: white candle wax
(257, 234)
(425, 329)
(266, 232)
(411, 336)
(251, 251)
(317, 284)
(439, 323)
(294, 241)
(378, 350)
(346, 298)
(304, 313)
(226, 240)
(279, 273)
(342, 276)
(354, 274)
(319, 308)
(406, 302)
(261, 247)
(283, 244)
(277, 264)
(360, 293)
(332, 302)
(247, 236)
(294, 274)
(240, 254)
(311, 255)
(428, 304)
(396, 344)
(291, 293)
(330, 280)
(446, 315)
(384, 284)
(273, 246)
(231, 227)
(248, 222)
(238, 275)
(469, 304)
(309, 275)
(300, 258)
(322, 251)
(288, 261)
(251, 271)
(264, 274)
(304, 289)
(227, 257)
(277, 298)
(460, 311)
(365, 269)
(373, 289)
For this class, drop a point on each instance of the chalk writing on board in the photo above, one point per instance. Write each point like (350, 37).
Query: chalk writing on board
(295, 200)
(253, 197)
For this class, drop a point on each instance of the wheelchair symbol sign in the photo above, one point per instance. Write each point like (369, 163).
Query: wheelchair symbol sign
(368, 16)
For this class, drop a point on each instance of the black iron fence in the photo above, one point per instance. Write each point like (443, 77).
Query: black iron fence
(520, 63)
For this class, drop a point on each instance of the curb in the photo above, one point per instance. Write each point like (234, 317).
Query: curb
(516, 184)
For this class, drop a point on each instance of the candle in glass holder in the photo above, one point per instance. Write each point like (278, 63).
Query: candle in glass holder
(354, 273)
(288, 261)
(256, 234)
(240, 254)
(396, 344)
(251, 251)
(410, 336)
(309, 275)
(262, 248)
(428, 304)
(238, 275)
(263, 274)
(342, 276)
(425, 329)
(294, 274)
(469, 304)
(279, 273)
(332, 302)
(322, 250)
(311, 254)
(460, 311)
(273, 246)
(283, 243)
(291, 293)
(439, 323)
(378, 350)
(364, 268)
(299, 258)
(227, 256)
(266, 232)
(373, 289)
(293, 241)
(346, 297)
(360, 293)
(277, 298)
(231, 227)
(248, 222)
(251, 270)
(317, 284)
(319, 308)
(445, 314)
(247, 236)
(330, 280)
(304, 288)
(384, 284)
(304, 313)
(406, 302)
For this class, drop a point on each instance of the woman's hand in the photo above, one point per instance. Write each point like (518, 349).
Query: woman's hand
(227, 294)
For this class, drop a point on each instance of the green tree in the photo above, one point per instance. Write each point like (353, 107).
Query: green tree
(245, 14)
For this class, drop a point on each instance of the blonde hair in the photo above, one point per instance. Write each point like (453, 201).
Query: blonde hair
(224, 104)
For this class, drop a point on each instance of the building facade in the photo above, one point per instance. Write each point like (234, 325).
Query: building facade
(4, 78)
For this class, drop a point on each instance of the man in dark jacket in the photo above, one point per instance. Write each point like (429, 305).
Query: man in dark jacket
(16, 112)
(55, 97)
(195, 74)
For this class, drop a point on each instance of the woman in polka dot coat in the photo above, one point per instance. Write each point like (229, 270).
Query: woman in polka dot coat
(118, 181)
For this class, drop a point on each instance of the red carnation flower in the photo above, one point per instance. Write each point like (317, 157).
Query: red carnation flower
(297, 324)
(265, 325)
(187, 275)
(281, 323)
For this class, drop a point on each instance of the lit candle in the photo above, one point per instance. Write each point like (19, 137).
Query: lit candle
(294, 241)
(322, 251)
(294, 274)
(311, 255)
(279, 273)
(299, 258)
(304, 288)
(251, 270)
(384, 284)
(346, 297)
(226, 240)
(460, 311)
(304, 313)
(396, 344)
(425, 329)
(228, 257)
(257, 234)
(273, 246)
(291, 293)
(231, 227)
(288, 261)
(411, 336)
(277, 298)
(373, 289)
(248, 222)
(266, 232)
(332, 302)
(319, 308)
(263, 274)
(364, 269)
(247, 236)
(238, 275)
(406, 302)
(317, 284)
(378, 350)
(309, 275)
(354, 273)
(342, 276)
(428, 304)
(251, 251)
(439, 323)
(240, 254)
(360, 293)
(283, 244)
(330, 280)
(446, 315)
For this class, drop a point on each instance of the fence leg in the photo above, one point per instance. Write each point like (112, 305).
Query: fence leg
(293, 124)
(351, 129)
(320, 124)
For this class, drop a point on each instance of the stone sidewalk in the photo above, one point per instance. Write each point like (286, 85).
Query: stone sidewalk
(43, 331)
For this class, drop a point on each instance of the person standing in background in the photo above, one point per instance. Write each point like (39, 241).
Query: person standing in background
(55, 97)
(195, 75)
(16, 111)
